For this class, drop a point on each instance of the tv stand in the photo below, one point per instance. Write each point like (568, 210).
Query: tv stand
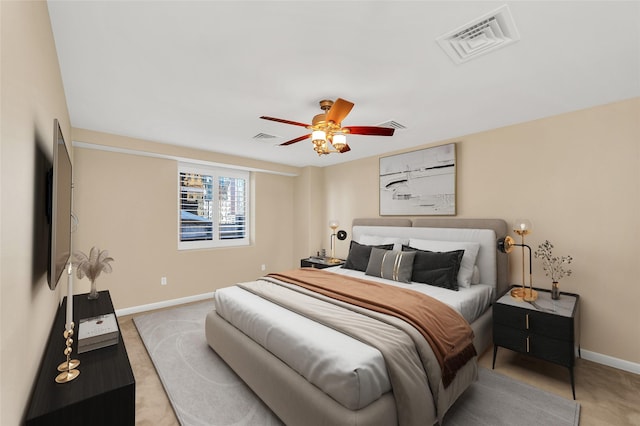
(103, 393)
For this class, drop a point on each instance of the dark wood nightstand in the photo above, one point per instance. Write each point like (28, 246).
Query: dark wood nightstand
(319, 262)
(546, 329)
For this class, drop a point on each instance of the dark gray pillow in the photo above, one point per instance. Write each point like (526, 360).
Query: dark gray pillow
(358, 257)
(392, 265)
(436, 268)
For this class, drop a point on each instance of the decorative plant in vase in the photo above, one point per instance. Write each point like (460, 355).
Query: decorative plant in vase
(553, 266)
(92, 266)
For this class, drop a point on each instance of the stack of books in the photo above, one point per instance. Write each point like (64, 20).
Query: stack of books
(97, 332)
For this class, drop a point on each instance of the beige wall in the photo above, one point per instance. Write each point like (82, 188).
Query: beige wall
(32, 96)
(576, 176)
(309, 210)
(127, 203)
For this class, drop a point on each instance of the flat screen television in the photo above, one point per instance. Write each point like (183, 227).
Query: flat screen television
(60, 196)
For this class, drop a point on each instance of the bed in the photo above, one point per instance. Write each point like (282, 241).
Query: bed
(346, 365)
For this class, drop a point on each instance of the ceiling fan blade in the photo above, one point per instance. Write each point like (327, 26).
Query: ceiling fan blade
(370, 130)
(281, 120)
(292, 141)
(339, 110)
(344, 149)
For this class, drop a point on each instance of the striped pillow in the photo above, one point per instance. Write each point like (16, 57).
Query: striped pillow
(391, 265)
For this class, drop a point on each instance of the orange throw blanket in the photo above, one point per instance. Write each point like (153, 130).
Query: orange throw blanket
(449, 335)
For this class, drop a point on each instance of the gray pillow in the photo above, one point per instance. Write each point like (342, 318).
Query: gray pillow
(392, 265)
(436, 268)
(358, 257)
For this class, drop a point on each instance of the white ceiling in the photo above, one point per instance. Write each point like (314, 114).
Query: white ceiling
(199, 74)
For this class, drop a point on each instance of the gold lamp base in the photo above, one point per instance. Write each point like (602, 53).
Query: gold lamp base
(67, 376)
(69, 365)
(526, 294)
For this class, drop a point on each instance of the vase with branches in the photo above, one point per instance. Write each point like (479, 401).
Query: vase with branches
(554, 266)
(92, 266)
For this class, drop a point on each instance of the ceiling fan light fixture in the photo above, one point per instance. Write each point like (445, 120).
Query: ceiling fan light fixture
(321, 147)
(339, 141)
(318, 135)
(327, 134)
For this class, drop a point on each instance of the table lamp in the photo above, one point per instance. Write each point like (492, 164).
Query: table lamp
(521, 227)
(333, 224)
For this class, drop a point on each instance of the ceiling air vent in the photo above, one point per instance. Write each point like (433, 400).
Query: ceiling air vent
(482, 35)
(392, 124)
(264, 136)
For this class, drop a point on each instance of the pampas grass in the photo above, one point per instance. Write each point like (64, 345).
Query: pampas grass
(93, 265)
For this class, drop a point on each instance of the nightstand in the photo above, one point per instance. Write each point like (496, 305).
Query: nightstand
(546, 329)
(319, 262)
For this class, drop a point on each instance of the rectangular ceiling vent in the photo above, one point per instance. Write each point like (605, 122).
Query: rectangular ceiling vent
(392, 124)
(480, 36)
(264, 136)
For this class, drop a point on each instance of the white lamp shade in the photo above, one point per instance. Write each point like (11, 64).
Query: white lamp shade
(318, 135)
(522, 225)
(339, 140)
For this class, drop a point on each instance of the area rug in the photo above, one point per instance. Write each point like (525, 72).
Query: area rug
(203, 390)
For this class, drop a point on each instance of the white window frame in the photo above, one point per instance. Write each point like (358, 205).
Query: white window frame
(216, 172)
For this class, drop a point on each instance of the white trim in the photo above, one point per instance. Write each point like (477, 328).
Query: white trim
(163, 304)
(97, 147)
(610, 361)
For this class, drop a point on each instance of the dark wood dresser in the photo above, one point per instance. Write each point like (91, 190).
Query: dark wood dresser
(103, 393)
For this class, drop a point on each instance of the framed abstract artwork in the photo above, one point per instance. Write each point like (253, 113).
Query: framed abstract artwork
(420, 182)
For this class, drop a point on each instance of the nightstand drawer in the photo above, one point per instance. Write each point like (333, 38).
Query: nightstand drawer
(543, 347)
(509, 337)
(544, 324)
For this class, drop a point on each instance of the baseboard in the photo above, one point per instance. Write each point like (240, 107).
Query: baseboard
(610, 361)
(607, 360)
(163, 304)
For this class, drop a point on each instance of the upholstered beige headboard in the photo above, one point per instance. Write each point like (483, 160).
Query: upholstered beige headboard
(499, 226)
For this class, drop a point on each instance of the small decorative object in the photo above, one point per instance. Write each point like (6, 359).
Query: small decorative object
(97, 332)
(92, 266)
(555, 290)
(68, 369)
(553, 266)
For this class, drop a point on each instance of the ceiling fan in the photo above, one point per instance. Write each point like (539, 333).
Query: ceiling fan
(327, 133)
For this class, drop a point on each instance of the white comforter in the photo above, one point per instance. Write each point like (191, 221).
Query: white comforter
(351, 372)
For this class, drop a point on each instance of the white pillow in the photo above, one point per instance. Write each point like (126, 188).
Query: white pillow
(468, 259)
(376, 240)
(475, 278)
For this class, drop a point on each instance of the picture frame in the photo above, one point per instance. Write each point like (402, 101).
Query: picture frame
(421, 182)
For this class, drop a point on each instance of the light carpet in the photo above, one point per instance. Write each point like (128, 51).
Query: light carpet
(203, 390)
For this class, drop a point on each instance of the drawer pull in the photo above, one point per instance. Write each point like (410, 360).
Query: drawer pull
(527, 321)
(528, 344)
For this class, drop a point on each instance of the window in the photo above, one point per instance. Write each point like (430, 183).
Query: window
(213, 207)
